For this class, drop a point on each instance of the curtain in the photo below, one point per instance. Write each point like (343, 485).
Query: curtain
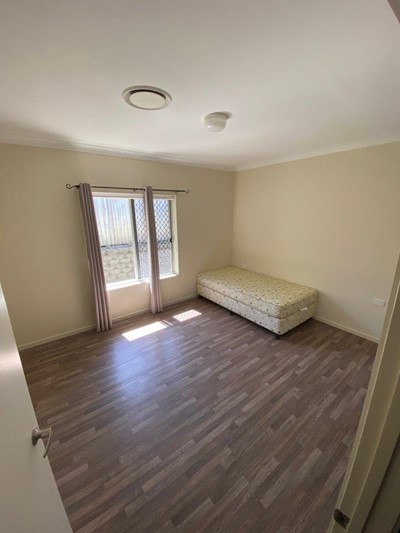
(103, 315)
(154, 268)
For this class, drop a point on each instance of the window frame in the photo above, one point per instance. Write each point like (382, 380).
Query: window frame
(174, 231)
(171, 197)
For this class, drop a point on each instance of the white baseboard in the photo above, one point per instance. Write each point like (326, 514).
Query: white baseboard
(46, 340)
(65, 334)
(346, 328)
(90, 327)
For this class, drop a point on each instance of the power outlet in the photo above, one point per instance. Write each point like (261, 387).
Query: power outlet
(379, 302)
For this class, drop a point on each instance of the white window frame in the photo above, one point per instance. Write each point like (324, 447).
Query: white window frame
(174, 231)
(112, 285)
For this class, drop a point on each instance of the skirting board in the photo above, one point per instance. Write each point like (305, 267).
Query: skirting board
(59, 336)
(46, 340)
(345, 328)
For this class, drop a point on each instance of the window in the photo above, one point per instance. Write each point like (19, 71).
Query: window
(122, 228)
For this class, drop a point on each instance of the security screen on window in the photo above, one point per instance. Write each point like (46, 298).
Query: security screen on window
(121, 222)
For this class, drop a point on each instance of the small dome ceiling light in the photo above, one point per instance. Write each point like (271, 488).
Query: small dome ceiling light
(216, 121)
(146, 97)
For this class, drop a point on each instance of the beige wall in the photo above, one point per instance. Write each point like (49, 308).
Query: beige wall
(331, 222)
(43, 266)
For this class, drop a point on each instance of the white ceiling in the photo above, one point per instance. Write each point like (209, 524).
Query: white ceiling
(300, 78)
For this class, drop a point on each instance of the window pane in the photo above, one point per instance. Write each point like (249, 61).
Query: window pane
(123, 237)
(162, 215)
(141, 230)
(116, 237)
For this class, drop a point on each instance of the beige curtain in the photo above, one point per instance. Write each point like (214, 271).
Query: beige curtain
(154, 268)
(103, 315)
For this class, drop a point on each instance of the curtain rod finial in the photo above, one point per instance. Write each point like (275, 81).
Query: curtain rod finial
(187, 191)
(69, 186)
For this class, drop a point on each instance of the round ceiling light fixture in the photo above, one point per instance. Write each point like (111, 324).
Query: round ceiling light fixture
(216, 121)
(146, 97)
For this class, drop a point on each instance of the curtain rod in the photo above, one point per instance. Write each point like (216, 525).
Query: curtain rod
(187, 191)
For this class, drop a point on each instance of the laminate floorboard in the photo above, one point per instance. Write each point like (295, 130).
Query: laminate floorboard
(198, 420)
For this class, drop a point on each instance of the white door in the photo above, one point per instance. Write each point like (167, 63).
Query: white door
(376, 438)
(29, 498)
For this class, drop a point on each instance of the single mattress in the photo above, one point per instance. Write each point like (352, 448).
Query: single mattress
(277, 325)
(272, 296)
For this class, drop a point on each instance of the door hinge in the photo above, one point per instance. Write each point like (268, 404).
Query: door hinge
(341, 518)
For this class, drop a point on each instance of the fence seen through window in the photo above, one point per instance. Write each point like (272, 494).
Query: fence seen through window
(121, 222)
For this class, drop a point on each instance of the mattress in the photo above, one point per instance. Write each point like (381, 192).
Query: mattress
(270, 296)
(277, 325)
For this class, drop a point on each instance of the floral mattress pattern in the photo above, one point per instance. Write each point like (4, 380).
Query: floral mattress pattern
(272, 296)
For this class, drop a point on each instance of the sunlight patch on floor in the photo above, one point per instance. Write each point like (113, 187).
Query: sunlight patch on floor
(187, 315)
(137, 333)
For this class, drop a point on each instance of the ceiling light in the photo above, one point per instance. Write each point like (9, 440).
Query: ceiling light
(216, 121)
(146, 97)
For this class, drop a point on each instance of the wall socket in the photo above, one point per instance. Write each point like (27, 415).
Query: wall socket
(379, 302)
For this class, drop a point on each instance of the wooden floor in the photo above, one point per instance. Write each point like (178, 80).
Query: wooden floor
(201, 421)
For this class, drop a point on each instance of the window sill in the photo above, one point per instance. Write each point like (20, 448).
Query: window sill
(167, 276)
(113, 286)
